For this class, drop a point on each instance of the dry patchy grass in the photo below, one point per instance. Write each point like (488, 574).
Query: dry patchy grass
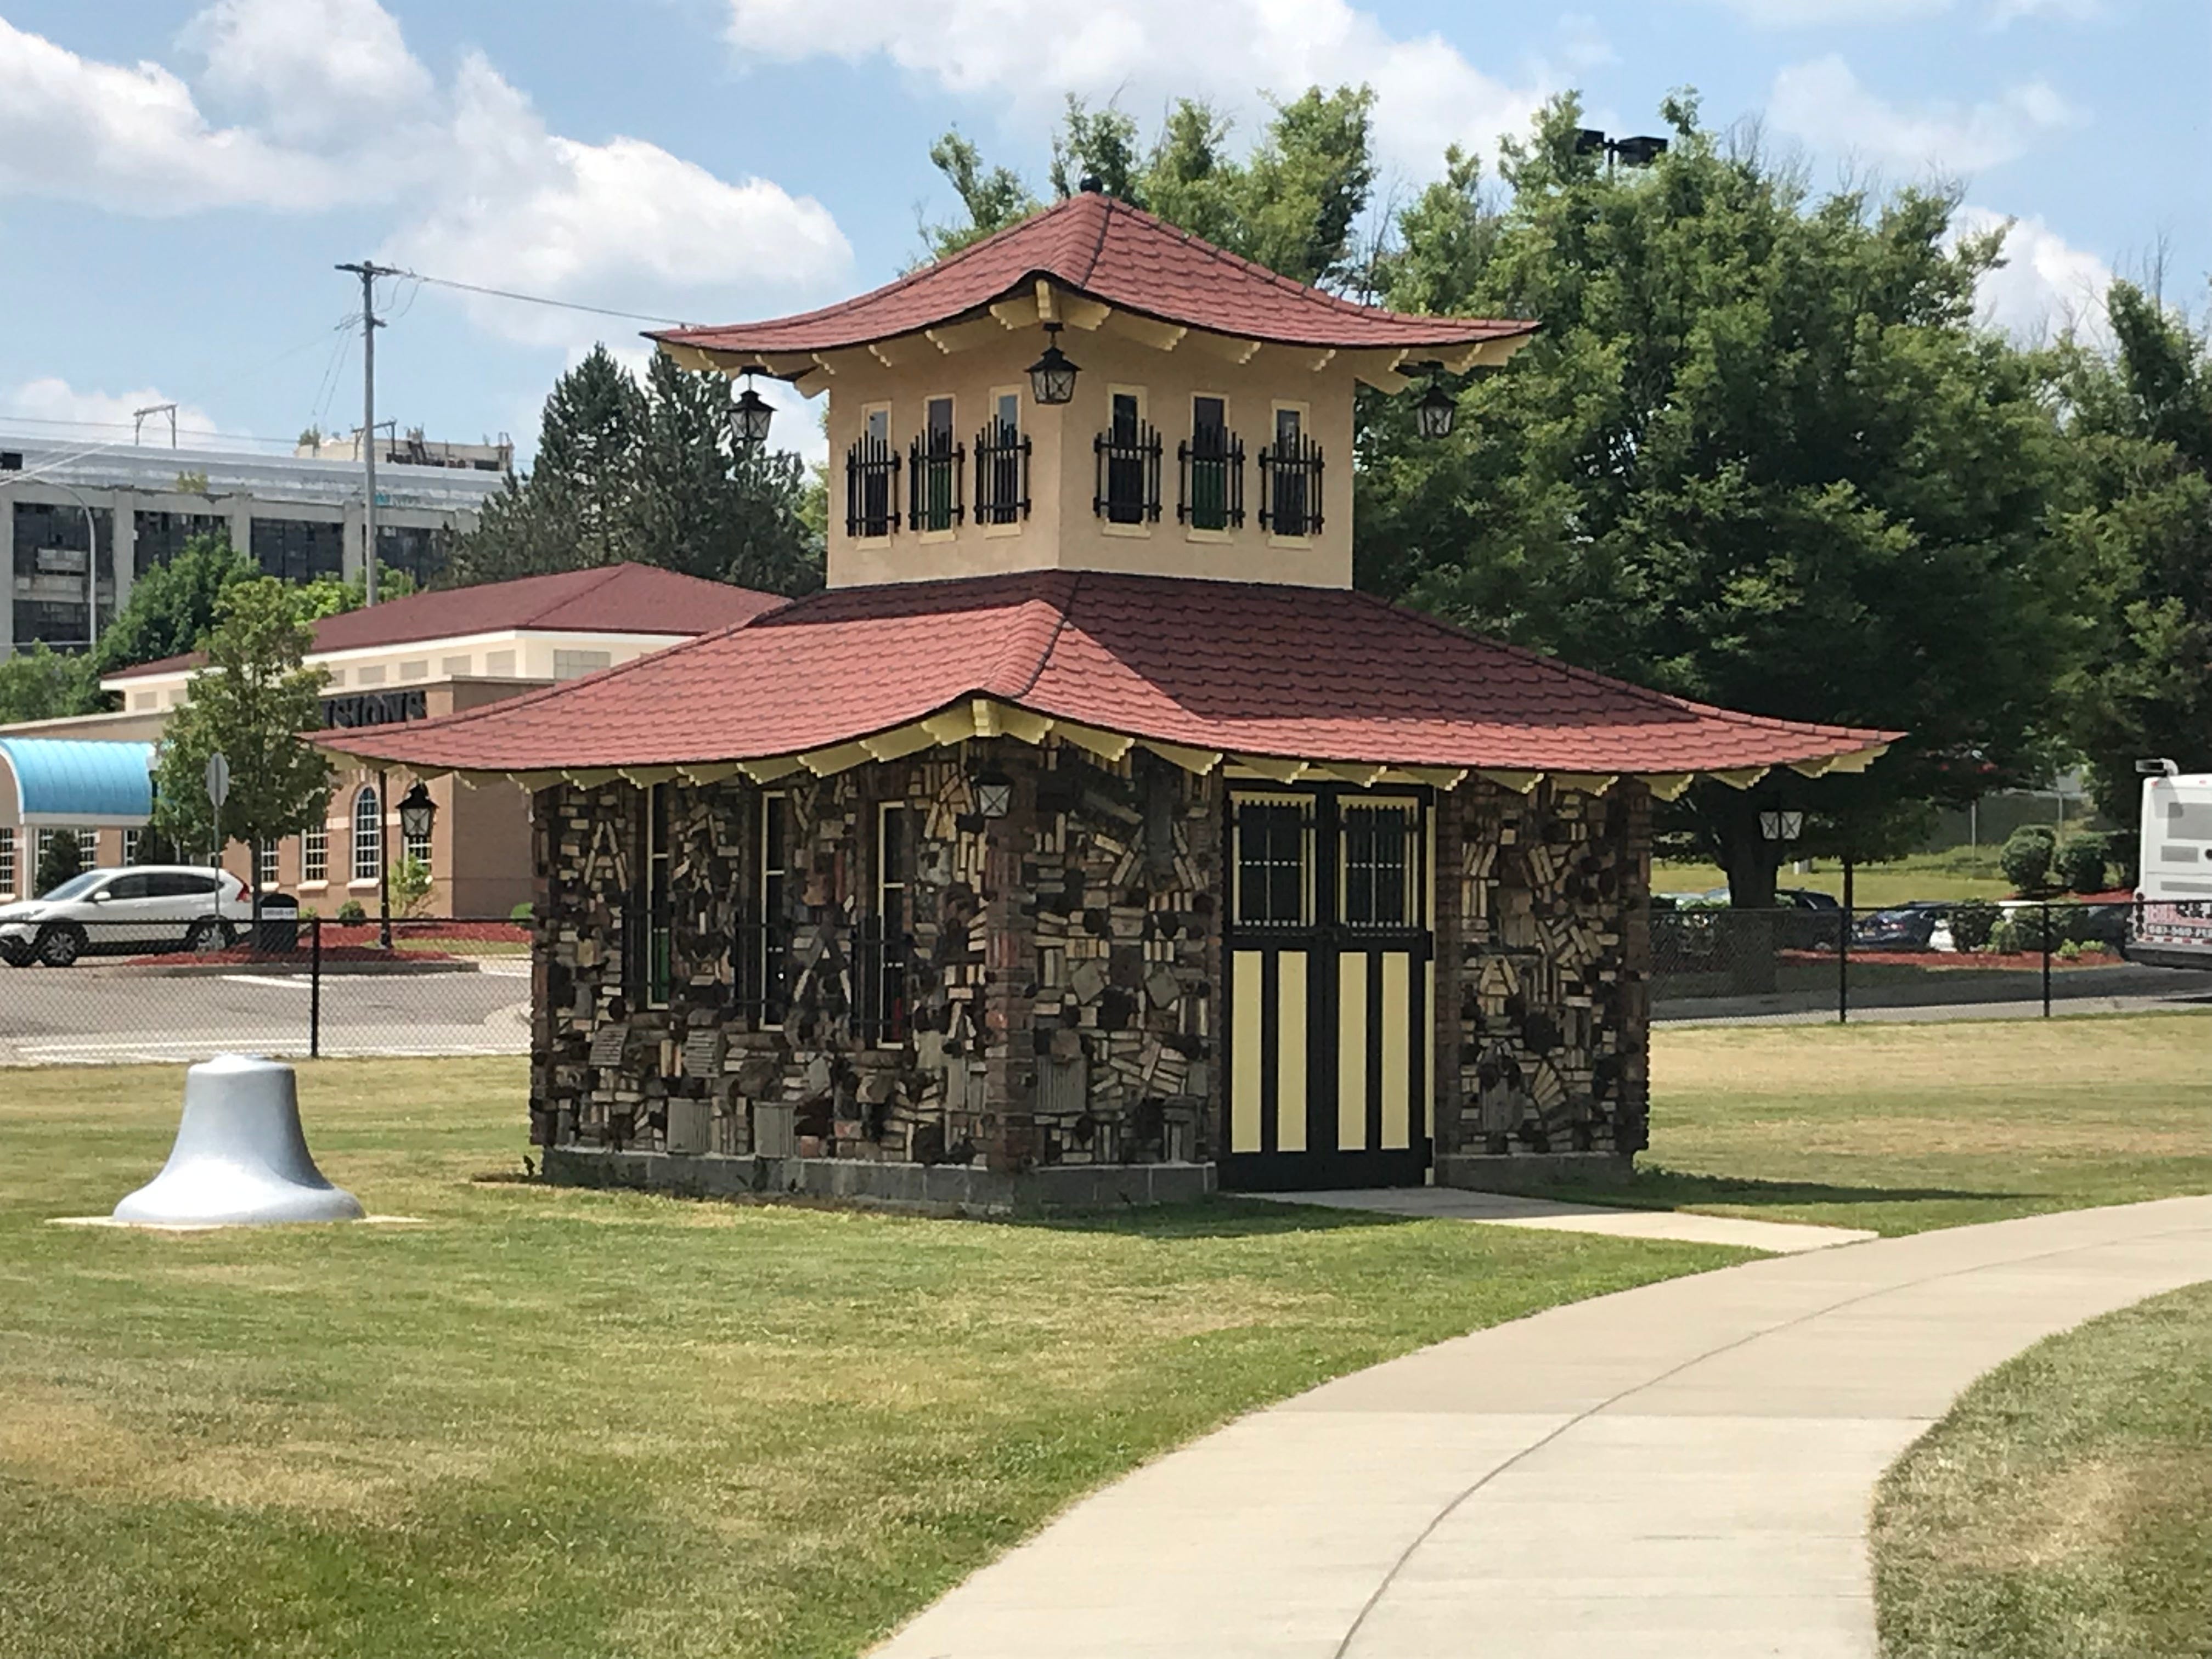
(552, 1422)
(2063, 1510)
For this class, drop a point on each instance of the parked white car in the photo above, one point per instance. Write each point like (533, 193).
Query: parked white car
(146, 909)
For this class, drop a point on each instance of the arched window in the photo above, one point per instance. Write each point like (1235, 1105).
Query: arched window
(367, 834)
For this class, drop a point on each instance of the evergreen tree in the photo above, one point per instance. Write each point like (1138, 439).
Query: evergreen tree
(62, 860)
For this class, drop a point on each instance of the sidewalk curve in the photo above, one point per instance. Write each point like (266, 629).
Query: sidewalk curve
(1683, 1469)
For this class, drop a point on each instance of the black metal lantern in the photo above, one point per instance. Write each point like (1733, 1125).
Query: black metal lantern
(995, 795)
(752, 415)
(1052, 377)
(1435, 412)
(418, 813)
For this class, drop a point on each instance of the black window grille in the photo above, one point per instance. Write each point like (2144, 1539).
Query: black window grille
(1128, 467)
(1272, 864)
(1379, 868)
(1212, 464)
(872, 468)
(879, 956)
(1290, 486)
(1002, 474)
(936, 475)
(763, 952)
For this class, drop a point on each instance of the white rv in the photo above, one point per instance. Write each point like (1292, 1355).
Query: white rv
(2171, 927)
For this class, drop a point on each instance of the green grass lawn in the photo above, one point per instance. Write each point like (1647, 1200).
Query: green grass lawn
(553, 1423)
(2064, 1508)
(1958, 872)
(1900, 1128)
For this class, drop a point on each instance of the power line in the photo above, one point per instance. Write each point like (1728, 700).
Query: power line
(540, 300)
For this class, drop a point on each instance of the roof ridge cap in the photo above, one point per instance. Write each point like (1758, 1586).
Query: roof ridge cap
(1070, 582)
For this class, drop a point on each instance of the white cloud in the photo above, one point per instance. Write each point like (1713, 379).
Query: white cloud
(2045, 286)
(309, 68)
(624, 224)
(1029, 54)
(1823, 104)
(102, 417)
(132, 139)
(334, 108)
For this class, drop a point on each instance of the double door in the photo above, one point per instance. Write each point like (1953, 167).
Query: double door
(1331, 989)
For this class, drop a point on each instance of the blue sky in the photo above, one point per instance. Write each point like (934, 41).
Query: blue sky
(178, 179)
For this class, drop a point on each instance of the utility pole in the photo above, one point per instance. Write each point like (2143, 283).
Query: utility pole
(368, 271)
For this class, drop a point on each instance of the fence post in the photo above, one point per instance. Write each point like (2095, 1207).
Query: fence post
(315, 988)
(1843, 953)
(2046, 959)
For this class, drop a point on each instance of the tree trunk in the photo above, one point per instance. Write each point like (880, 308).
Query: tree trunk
(1751, 862)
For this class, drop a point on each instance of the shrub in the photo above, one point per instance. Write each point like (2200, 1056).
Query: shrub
(2078, 864)
(2026, 859)
(1971, 924)
(410, 886)
(61, 861)
(351, 914)
(522, 912)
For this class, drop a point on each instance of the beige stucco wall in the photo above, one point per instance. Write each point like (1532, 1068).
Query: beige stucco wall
(1062, 530)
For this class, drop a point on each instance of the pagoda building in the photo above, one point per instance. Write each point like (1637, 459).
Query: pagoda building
(1089, 840)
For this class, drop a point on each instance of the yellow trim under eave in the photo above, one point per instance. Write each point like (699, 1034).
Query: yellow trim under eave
(1666, 786)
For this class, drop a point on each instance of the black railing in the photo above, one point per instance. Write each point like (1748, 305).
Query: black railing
(872, 467)
(1290, 488)
(1212, 467)
(762, 951)
(880, 996)
(1002, 475)
(1128, 474)
(936, 475)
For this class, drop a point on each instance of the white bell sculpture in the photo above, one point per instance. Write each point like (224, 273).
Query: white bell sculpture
(239, 1157)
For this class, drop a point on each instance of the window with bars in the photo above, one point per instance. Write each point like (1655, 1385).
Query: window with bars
(367, 834)
(130, 846)
(1290, 479)
(1002, 464)
(315, 853)
(1274, 860)
(1212, 465)
(937, 468)
(765, 949)
(652, 946)
(872, 469)
(880, 951)
(416, 848)
(1381, 866)
(88, 848)
(7, 862)
(1128, 457)
(265, 864)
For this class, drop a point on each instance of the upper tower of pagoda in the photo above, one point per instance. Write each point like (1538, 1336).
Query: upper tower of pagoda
(1094, 390)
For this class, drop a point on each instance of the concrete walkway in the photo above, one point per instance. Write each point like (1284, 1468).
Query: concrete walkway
(1510, 1210)
(1682, 1470)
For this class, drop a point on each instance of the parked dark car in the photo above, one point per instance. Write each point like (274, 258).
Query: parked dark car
(1910, 926)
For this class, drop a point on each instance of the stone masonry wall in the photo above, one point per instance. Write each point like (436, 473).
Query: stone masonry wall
(1059, 964)
(1543, 959)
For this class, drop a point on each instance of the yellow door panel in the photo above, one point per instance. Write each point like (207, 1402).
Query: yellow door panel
(1245, 1044)
(1352, 1054)
(1397, 1053)
(1290, 1052)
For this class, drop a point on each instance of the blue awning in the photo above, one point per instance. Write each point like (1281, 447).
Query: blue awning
(72, 781)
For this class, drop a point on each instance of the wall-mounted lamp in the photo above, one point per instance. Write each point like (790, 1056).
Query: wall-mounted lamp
(418, 813)
(994, 793)
(1052, 377)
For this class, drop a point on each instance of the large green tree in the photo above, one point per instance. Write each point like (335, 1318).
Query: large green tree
(654, 474)
(1759, 455)
(173, 606)
(2140, 416)
(249, 703)
(1291, 203)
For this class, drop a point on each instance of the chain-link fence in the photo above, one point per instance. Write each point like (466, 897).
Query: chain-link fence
(1932, 960)
(84, 990)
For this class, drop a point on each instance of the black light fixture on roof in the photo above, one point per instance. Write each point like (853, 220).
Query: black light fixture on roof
(418, 813)
(1434, 413)
(1052, 377)
(1636, 152)
(752, 415)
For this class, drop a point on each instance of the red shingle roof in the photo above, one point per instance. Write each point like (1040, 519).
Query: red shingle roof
(1297, 672)
(615, 598)
(1108, 250)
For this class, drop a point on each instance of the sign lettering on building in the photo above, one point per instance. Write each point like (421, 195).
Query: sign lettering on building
(374, 709)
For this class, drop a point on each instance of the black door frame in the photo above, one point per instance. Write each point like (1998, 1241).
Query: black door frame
(1324, 944)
